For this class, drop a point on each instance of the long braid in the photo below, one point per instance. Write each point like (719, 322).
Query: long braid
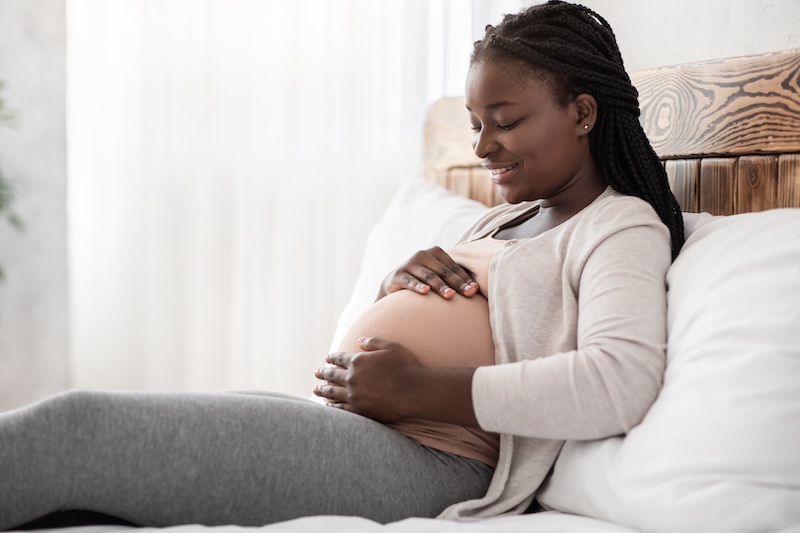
(579, 46)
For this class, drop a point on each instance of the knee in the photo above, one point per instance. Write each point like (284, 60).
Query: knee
(72, 407)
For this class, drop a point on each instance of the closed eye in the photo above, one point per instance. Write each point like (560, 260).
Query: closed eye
(504, 127)
(507, 127)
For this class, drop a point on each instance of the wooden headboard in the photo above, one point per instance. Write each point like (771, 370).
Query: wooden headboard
(728, 132)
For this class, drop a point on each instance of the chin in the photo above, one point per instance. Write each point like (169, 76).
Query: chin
(514, 197)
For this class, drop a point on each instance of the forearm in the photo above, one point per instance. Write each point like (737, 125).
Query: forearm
(443, 395)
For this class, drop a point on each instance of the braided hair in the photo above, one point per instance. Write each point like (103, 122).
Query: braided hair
(574, 50)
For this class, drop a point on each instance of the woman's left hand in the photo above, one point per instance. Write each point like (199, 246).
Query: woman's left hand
(375, 383)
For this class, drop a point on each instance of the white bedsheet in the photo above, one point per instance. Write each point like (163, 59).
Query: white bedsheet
(546, 522)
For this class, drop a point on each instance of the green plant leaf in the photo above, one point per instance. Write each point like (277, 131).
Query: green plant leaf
(7, 118)
(5, 195)
(16, 222)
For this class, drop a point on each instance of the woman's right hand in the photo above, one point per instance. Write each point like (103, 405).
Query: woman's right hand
(430, 270)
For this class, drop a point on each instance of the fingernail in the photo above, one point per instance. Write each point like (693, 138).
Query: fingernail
(361, 339)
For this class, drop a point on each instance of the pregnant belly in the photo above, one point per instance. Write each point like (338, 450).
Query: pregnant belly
(439, 332)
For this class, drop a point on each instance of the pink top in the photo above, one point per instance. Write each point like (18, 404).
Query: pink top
(440, 333)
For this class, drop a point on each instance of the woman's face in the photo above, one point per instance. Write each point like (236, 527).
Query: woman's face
(535, 148)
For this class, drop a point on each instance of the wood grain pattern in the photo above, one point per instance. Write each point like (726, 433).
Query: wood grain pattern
(788, 194)
(740, 106)
(483, 189)
(756, 184)
(717, 185)
(684, 180)
(459, 182)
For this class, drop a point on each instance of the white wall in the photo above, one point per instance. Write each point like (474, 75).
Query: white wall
(654, 33)
(33, 298)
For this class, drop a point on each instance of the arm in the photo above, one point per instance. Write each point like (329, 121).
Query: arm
(605, 386)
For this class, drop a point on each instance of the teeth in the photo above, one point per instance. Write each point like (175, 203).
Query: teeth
(496, 171)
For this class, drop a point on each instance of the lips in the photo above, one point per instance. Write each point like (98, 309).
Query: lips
(500, 174)
(500, 170)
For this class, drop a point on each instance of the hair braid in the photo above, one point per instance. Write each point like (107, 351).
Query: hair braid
(578, 46)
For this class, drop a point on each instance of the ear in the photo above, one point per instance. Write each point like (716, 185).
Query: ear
(586, 106)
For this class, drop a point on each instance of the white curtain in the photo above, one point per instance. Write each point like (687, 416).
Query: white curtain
(226, 161)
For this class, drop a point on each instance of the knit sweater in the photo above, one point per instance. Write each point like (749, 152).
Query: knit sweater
(578, 318)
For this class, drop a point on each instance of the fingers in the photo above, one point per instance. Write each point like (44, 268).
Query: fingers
(334, 395)
(436, 268)
(331, 374)
(341, 359)
(373, 343)
(335, 376)
(407, 281)
(433, 269)
(331, 389)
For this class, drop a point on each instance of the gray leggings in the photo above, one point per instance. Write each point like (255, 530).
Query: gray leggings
(246, 458)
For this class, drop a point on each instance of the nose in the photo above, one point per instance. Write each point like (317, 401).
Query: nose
(483, 143)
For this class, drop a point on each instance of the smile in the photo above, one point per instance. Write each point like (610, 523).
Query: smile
(496, 171)
(500, 175)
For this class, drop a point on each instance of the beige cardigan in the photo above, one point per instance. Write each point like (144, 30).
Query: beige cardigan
(578, 316)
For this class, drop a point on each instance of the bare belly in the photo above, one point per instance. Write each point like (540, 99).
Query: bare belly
(439, 332)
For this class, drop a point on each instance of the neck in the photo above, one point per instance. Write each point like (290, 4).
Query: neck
(577, 194)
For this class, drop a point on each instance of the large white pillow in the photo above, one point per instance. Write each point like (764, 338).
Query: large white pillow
(719, 450)
(421, 214)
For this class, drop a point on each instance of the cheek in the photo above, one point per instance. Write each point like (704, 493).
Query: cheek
(559, 140)
(541, 143)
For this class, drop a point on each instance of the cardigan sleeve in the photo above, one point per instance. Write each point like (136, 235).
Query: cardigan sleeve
(604, 386)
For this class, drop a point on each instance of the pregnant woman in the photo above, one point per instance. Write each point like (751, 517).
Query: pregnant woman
(453, 394)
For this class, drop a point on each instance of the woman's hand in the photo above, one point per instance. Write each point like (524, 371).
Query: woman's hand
(385, 383)
(372, 383)
(427, 270)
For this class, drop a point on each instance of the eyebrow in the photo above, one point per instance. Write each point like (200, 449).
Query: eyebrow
(495, 105)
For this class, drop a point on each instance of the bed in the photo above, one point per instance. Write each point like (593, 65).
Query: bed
(720, 448)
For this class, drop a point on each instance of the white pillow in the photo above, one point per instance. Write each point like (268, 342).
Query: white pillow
(719, 450)
(421, 214)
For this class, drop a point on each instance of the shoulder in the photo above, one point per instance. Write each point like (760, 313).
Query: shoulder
(619, 227)
(617, 208)
(614, 212)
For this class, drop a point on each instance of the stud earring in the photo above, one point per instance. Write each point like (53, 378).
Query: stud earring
(586, 126)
